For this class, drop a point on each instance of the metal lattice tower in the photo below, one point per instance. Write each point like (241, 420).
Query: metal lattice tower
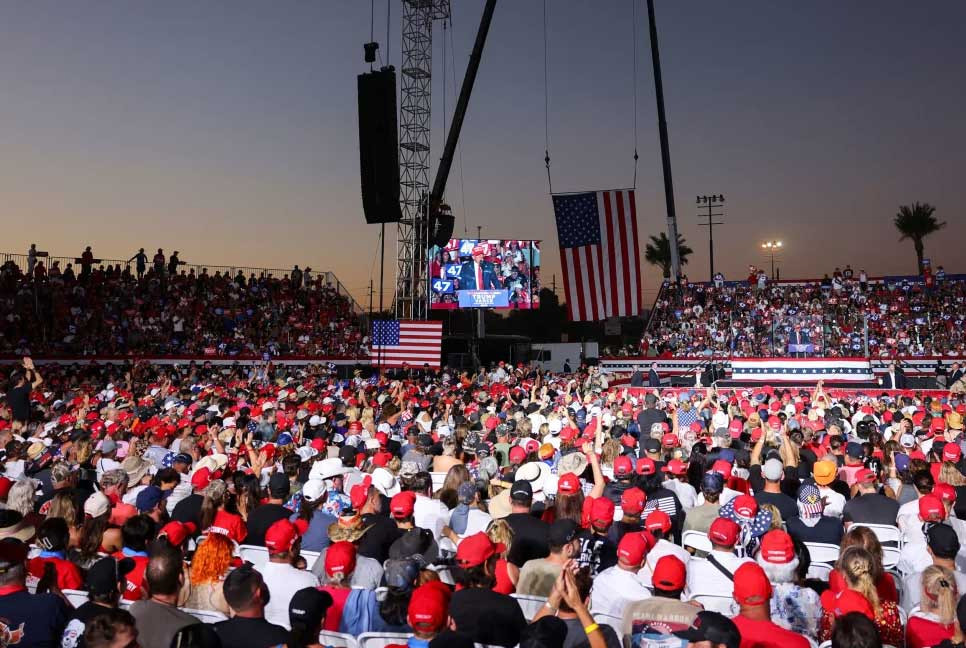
(414, 142)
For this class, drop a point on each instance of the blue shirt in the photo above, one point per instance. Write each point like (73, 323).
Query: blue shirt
(32, 620)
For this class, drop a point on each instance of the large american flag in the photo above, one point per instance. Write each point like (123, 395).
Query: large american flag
(599, 253)
(412, 342)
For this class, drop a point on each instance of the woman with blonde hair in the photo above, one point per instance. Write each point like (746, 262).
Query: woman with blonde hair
(209, 566)
(856, 568)
(935, 620)
(507, 574)
(860, 536)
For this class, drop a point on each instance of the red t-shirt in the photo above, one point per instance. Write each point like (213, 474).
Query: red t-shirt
(503, 583)
(922, 632)
(68, 574)
(135, 578)
(765, 634)
(229, 524)
(334, 614)
(121, 513)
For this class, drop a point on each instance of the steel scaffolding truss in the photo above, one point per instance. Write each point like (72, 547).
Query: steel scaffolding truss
(414, 143)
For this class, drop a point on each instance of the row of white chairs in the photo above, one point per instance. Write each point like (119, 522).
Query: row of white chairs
(258, 556)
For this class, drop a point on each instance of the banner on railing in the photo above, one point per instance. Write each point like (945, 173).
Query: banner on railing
(801, 369)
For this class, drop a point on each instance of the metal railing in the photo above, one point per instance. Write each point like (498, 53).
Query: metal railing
(329, 278)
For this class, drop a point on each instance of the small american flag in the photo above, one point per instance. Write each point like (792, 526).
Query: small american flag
(599, 254)
(412, 342)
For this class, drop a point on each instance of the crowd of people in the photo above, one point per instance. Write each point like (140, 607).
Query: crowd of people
(162, 309)
(513, 508)
(828, 317)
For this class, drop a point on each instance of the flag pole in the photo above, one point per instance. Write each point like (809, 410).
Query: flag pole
(672, 225)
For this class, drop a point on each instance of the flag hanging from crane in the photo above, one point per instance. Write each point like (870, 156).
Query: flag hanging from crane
(395, 342)
(599, 253)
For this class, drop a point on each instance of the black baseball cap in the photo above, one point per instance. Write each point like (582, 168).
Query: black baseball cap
(561, 532)
(651, 445)
(521, 491)
(278, 485)
(104, 575)
(943, 541)
(713, 627)
(308, 606)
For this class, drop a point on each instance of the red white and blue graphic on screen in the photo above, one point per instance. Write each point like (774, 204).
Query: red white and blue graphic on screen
(802, 370)
(599, 254)
(414, 343)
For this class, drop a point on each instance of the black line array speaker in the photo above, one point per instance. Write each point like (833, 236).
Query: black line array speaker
(378, 146)
(441, 229)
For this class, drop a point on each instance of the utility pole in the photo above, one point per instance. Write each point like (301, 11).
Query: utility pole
(712, 202)
(370, 297)
(479, 232)
(672, 224)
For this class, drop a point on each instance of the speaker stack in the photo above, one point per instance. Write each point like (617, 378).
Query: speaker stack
(378, 146)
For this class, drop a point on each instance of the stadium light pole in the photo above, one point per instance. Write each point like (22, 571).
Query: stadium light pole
(712, 202)
(771, 248)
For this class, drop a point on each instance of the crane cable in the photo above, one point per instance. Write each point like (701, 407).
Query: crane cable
(546, 98)
(634, 39)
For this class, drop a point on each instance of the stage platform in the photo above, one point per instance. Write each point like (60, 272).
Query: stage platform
(803, 384)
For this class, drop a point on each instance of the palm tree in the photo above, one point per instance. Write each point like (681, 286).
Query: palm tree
(915, 222)
(658, 253)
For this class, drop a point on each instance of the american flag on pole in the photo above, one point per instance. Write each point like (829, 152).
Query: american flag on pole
(413, 342)
(599, 253)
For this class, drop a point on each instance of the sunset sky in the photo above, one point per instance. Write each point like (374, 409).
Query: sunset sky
(227, 129)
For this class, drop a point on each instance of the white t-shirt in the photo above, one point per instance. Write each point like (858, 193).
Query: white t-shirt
(430, 514)
(912, 588)
(283, 582)
(685, 492)
(661, 549)
(615, 589)
(104, 464)
(705, 578)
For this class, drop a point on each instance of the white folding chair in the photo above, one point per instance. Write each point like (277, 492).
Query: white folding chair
(696, 540)
(438, 479)
(890, 557)
(337, 639)
(77, 598)
(530, 605)
(206, 616)
(886, 533)
(310, 557)
(382, 639)
(717, 603)
(257, 556)
(821, 552)
(819, 571)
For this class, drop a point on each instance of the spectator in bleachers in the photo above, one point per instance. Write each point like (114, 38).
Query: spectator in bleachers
(247, 596)
(209, 567)
(752, 592)
(793, 606)
(158, 617)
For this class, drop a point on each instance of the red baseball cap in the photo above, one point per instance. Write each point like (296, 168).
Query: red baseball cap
(517, 454)
(952, 452)
(751, 585)
(5, 484)
(735, 428)
(931, 508)
(937, 424)
(670, 574)
(945, 492)
(746, 506)
(658, 520)
(281, 536)
(340, 558)
(864, 476)
(628, 441)
(477, 549)
(777, 547)
(568, 484)
(177, 532)
(675, 467)
(632, 501)
(646, 466)
(201, 478)
(318, 443)
(670, 440)
(623, 466)
(774, 422)
(601, 512)
(402, 504)
(429, 607)
(721, 467)
(568, 434)
(845, 601)
(381, 459)
(359, 493)
(724, 532)
(632, 549)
